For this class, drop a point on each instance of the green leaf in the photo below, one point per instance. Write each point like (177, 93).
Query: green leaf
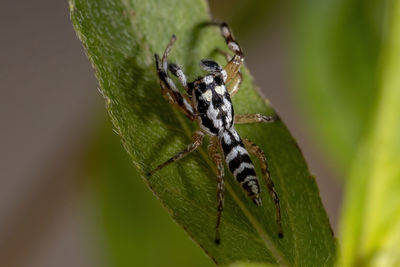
(250, 264)
(336, 46)
(370, 230)
(130, 222)
(120, 38)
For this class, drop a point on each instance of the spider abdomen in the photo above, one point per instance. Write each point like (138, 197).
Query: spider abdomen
(238, 160)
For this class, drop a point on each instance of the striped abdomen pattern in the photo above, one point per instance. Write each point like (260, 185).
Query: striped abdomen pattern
(238, 160)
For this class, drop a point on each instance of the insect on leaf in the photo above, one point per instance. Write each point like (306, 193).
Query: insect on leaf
(120, 38)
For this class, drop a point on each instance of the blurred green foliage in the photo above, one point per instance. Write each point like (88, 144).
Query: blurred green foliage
(347, 67)
(250, 264)
(370, 226)
(336, 45)
(246, 17)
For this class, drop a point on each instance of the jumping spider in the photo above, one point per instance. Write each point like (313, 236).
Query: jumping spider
(208, 100)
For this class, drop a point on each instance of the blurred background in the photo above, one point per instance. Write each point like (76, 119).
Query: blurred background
(63, 201)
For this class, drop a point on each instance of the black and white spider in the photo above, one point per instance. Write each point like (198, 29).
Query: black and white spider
(208, 100)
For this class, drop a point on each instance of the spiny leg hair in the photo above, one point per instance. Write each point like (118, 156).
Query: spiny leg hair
(254, 118)
(234, 85)
(257, 151)
(217, 159)
(197, 140)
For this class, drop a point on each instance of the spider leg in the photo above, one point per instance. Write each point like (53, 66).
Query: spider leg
(168, 88)
(217, 159)
(234, 85)
(178, 72)
(254, 118)
(230, 40)
(232, 69)
(257, 151)
(233, 66)
(197, 139)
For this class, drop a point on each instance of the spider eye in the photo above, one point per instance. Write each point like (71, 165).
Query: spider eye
(210, 65)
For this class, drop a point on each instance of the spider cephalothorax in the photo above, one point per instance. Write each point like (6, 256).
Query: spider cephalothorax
(212, 101)
(208, 100)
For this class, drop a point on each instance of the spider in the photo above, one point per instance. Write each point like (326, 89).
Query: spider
(208, 101)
